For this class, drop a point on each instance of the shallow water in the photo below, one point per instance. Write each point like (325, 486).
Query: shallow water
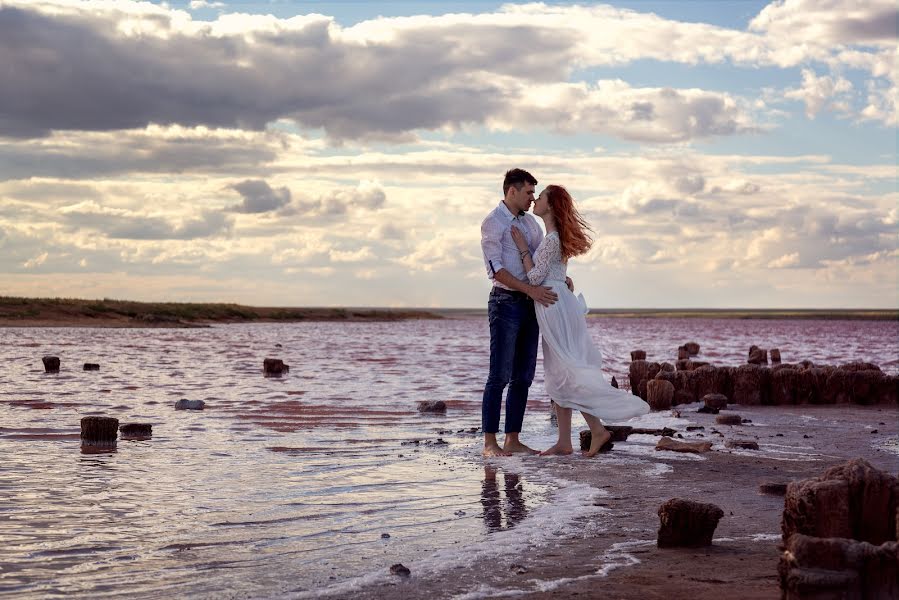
(287, 485)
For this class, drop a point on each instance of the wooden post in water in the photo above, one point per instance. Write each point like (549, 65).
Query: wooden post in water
(99, 431)
(274, 367)
(51, 364)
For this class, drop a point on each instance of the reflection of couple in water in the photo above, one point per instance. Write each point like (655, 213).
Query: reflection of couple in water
(533, 295)
(502, 513)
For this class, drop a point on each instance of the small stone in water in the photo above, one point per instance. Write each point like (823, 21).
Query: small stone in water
(400, 570)
(385, 536)
(185, 404)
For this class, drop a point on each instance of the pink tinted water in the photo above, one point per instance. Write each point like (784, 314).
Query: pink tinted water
(288, 484)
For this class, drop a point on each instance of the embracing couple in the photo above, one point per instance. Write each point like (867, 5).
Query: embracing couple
(532, 294)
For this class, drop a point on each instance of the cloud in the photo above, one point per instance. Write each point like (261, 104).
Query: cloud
(816, 91)
(259, 197)
(615, 108)
(36, 261)
(125, 224)
(829, 22)
(367, 196)
(382, 79)
(154, 149)
(198, 4)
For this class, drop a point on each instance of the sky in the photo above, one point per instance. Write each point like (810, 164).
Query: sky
(727, 153)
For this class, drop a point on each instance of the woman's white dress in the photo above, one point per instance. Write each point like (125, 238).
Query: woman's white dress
(572, 364)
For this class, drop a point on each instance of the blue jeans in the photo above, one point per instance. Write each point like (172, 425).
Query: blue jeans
(513, 359)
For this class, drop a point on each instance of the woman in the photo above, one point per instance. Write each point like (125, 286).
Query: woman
(571, 362)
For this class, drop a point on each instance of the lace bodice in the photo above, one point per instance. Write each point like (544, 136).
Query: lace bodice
(548, 265)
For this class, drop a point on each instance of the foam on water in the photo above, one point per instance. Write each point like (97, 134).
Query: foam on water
(572, 509)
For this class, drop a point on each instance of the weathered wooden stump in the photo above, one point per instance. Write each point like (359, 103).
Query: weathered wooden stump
(685, 523)
(757, 356)
(91, 367)
(659, 394)
(99, 431)
(51, 364)
(136, 431)
(839, 535)
(692, 348)
(717, 401)
(682, 353)
(638, 355)
(274, 367)
(775, 356)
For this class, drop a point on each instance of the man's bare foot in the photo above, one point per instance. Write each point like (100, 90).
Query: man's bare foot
(596, 443)
(495, 450)
(518, 447)
(558, 449)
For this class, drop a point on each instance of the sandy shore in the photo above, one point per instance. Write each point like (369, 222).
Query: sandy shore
(620, 559)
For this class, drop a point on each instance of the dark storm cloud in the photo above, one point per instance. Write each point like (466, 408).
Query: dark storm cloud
(74, 72)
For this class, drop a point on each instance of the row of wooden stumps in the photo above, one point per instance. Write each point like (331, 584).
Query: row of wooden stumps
(51, 365)
(100, 434)
(271, 367)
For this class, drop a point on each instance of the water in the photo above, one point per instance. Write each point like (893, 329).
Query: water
(288, 485)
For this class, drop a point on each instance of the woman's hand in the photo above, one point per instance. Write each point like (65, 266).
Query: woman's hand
(519, 239)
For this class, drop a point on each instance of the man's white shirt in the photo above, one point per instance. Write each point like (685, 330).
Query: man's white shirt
(500, 251)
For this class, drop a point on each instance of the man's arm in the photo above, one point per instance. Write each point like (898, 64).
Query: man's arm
(538, 293)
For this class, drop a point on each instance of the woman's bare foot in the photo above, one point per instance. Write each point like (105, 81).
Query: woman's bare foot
(558, 449)
(597, 442)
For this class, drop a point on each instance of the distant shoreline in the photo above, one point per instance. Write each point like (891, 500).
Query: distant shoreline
(848, 314)
(72, 312)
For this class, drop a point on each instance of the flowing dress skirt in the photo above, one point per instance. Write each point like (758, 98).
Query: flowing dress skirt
(572, 364)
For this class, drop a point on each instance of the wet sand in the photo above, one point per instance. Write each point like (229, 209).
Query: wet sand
(619, 558)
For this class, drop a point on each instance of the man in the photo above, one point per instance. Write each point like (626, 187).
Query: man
(513, 325)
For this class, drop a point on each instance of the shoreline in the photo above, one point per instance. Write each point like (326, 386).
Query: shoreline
(613, 552)
(848, 314)
(107, 313)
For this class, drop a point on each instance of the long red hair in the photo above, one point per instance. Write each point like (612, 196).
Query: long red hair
(571, 225)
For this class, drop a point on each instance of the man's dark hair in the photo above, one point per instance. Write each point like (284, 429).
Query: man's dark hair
(518, 178)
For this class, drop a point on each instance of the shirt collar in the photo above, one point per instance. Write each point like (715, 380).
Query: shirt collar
(505, 212)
